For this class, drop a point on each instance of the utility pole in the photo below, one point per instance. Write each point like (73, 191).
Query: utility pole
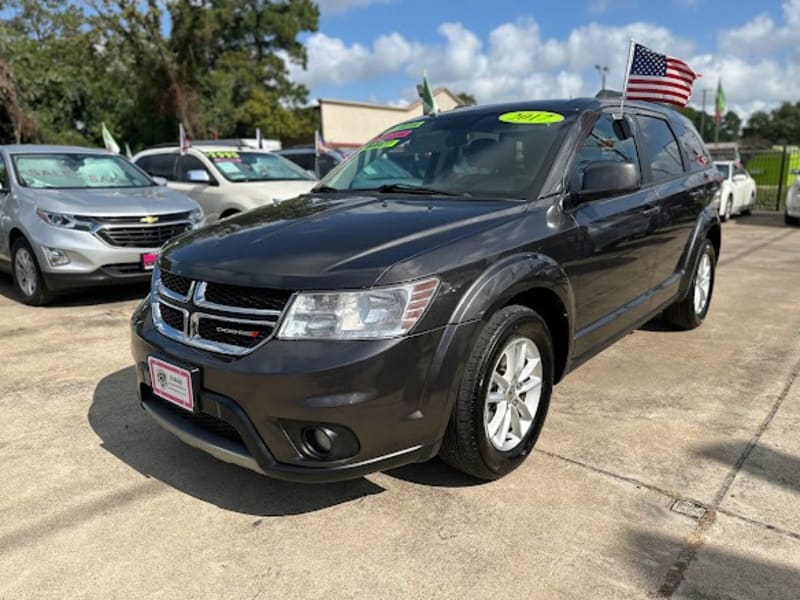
(603, 70)
(703, 114)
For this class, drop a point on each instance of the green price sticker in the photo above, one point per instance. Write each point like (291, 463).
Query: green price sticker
(412, 125)
(531, 117)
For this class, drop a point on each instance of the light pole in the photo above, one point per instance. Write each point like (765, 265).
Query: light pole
(603, 70)
(703, 114)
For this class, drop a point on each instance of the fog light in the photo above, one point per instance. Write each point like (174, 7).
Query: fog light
(319, 440)
(55, 257)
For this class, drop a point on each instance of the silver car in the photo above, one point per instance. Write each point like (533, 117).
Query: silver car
(75, 217)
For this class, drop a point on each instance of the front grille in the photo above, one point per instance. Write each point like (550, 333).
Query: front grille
(176, 283)
(152, 236)
(204, 421)
(171, 316)
(246, 297)
(226, 319)
(233, 333)
(182, 216)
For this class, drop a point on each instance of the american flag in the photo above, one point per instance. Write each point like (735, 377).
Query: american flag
(659, 78)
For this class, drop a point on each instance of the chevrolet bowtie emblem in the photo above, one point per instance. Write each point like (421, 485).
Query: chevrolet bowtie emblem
(148, 220)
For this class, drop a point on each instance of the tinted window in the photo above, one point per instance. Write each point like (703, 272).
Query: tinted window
(305, 160)
(724, 168)
(159, 165)
(188, 163)
(3, 174)
(697, 157)
(605, 142)
(660, 148)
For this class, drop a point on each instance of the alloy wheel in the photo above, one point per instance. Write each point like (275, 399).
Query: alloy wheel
(514, 393)
(25, 272)
(702, 284)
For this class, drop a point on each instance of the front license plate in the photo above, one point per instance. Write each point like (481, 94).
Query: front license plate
(149, 260)
(171, 383)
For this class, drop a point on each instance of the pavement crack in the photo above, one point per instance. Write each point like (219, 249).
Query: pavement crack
(697, 538)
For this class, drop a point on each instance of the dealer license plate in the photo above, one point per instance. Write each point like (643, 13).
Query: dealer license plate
(171, 383)
(149, 260)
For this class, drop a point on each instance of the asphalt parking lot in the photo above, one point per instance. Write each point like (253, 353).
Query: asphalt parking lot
(669, 465)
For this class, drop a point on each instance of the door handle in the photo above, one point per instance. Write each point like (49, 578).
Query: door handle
(696, 194)
(651, 211)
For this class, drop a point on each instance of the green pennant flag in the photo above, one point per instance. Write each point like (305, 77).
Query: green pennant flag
(108, 140)
(721, 105)
(429, 106)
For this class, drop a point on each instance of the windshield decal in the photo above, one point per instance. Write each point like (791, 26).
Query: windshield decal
(379, 144)
(402, 126)
(223, 156)
(531, 117)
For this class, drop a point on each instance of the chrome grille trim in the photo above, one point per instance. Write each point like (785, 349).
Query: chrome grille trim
(188, 306)
(200, 300)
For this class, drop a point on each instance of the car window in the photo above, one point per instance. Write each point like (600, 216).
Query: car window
(738, 170)
(605, 142)
(238, 166)
(159, 165)
(305, 159)
(76, 170)
(697, 157)
(3, 174)
(724, 169)
(660, 148)
(473, 153)
(186, 163)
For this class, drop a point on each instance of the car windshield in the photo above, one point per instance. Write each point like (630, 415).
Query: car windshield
(75, 170)
(474, 153)
(723, 168)
(239, 166)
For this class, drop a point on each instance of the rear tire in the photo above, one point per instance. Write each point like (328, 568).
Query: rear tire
(690, 312)
(726, 214)
(229, 213)
(503, 397)
(749, 210)
(27, 275)
(790, 220)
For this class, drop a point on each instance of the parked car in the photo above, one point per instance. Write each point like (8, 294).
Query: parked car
(226, 180)
(738, 193)
(75, 217)
(306, 157)
(396, 313)
(792, 214)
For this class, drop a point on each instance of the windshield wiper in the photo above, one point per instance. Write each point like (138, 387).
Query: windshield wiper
(325, 189)
(391, 188)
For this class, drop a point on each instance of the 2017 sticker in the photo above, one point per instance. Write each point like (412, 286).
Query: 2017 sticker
(531, 117)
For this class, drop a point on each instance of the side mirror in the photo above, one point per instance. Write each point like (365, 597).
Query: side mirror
(607, 178)
(198, 176)
(162, 181)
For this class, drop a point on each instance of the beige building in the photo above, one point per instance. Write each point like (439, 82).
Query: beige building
(351, 124)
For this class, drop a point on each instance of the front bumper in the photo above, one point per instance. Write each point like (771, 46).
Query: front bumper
(392, 397)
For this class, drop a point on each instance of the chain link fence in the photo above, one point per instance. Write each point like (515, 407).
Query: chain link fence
(774, 171)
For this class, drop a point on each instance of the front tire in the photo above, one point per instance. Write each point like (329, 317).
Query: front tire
(726, 214)
(503, 397)
(690, 312)
(27, 275)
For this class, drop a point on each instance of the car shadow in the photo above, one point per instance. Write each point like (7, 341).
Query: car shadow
(761, 219)
(434, 473)
(713, 573)
(765, 463)
(134, 438)
(88, 296)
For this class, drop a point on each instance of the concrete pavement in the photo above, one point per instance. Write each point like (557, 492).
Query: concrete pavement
(669, 466)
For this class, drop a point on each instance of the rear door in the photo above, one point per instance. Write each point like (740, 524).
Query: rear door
(681, 173)
(615, 272)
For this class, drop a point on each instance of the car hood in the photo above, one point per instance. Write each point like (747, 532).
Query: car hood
(154, 200)
(274, 190)
(329, 241)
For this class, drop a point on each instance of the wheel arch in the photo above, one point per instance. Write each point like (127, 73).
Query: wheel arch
(532, 280)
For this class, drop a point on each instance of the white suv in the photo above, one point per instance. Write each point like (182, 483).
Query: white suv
(225, 180)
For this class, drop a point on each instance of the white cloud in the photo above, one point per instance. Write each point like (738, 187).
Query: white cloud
(338, 6)
(516, 61)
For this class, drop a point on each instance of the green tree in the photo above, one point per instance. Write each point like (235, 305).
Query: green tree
(780, 126)
(729, 127)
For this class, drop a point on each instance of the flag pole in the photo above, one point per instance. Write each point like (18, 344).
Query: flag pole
(631, 46)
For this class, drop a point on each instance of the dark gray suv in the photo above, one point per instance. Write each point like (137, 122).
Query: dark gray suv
(428, 294)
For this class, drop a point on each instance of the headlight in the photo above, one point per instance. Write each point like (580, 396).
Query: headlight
(196, 217)
(372, 314)
(65, 221)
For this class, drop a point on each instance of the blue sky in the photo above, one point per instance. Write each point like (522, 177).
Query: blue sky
(376, 50)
